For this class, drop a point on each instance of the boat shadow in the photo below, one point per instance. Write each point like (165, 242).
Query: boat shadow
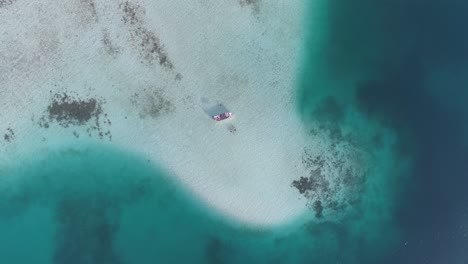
(212, 108)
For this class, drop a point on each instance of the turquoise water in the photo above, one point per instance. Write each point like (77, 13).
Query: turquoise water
(366, 78)
(399, 67)
(87, 202)
(94, 203)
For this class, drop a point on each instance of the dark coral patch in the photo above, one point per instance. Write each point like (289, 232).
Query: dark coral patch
(67, 110)
(9, 135)
(150, 47)
(255, 4)
(108, 44)
(152, 103)
(146, 42)
(130, 12)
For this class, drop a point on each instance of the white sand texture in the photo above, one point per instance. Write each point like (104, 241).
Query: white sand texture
(152, 72)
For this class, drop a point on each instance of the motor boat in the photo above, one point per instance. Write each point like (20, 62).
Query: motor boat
(223, 116)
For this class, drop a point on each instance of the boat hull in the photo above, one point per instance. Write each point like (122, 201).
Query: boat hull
(222, 116)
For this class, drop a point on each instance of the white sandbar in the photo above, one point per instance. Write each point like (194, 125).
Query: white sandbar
(223, 52)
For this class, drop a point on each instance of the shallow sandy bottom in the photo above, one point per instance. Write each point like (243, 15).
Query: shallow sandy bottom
(156, 71)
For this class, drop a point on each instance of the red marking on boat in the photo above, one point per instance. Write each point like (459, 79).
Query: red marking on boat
(222, 116)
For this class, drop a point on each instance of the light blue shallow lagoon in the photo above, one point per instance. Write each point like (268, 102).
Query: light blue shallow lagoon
(385, 77)
(93, 203)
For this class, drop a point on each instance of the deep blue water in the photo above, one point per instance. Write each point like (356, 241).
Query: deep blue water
(415, 55)
(95, 203)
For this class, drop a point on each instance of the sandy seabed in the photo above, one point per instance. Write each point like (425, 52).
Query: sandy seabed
(147, 76)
